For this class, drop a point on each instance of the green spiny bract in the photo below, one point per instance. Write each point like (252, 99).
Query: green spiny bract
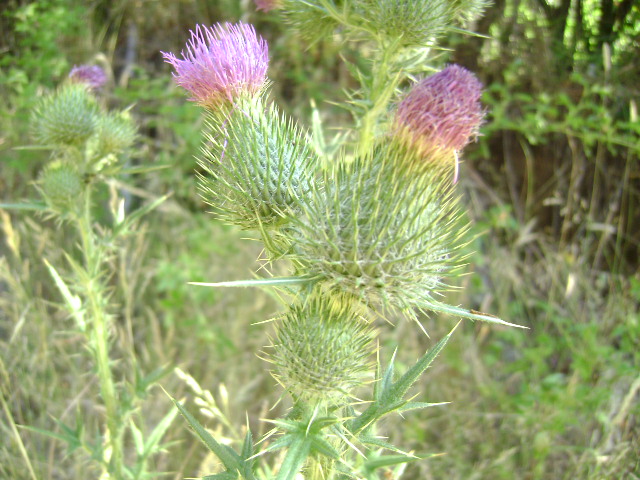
(381, 230)
(116, 132)
(68, 117)
(409, 22)
(310, 18)
(61, 184)
(322, 350)
(257, 165)
(469, 10)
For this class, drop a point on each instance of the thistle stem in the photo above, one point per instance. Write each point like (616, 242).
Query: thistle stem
(99, 336)
(382, 88)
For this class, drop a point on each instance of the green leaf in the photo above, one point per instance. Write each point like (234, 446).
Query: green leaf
(143, 169)
(73, 302)
(321, 446)
(389, 396)
(138, 441)
(158, 432)
(299, 449)
(24, 206)
(380, 443)
(470, 314)
(258, 282)
(247, 446)
(419, 406)
(222, 476)
(35, 147)
(67, 436)
(400, 388)
(388, 461)
(143, 384)
(227, 456)
(386, 381)
(135, 216)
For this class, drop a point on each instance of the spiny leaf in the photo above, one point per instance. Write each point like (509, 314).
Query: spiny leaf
(297, 453)
(24, 206)
(385, 383)
(389, 396)
(321, 446)
(227, 456)
(470, 314)
(388, 461)
(222, 476)
(400, 388)
(380, 443)
(68, 436)
(143, 383)
(419, 405)
(138, 440)
(247, 445)
(258, 282)
(73, 302)
(143, 169)
(158, 432)
(135, 216)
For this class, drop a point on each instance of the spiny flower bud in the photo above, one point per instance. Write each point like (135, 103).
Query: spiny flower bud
(68, 117)
(268, 5)
(257, 165)
(310, 18)
(61, 184)
(116, 133)
(468, 10)
(90, 75)
(322, 350)
(409, 22)
(379, 233)
(221, 63)
(441, 114)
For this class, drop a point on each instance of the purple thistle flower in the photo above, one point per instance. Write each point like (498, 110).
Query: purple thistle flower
(91, 75)
(267, 5)
(221, 63)
(442, 113)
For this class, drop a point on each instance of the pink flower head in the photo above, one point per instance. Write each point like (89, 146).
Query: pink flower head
(442, 113)
(221, 63)
(91, 75)
(267, 5)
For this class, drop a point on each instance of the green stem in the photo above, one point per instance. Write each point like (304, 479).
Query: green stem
(382, 88)
(99, 335)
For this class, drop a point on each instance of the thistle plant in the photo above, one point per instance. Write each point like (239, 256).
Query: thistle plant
(372, 231)
(89, 147)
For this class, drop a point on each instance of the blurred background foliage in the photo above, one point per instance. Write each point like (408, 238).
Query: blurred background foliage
(552, 189)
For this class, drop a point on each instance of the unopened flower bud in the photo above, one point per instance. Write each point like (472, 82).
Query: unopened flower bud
(221, 63)
(379, 233)
(410, 23)
(258, 166)
(441, 114)
(323, 350)
(61, 184)
(310, 19)
(92, 76)
(67, 117)
(116, 133)
(268, 5)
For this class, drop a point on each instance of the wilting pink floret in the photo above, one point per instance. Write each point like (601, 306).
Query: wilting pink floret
(221, 62)
(443, 111)
(91, 75)
(267, 5)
